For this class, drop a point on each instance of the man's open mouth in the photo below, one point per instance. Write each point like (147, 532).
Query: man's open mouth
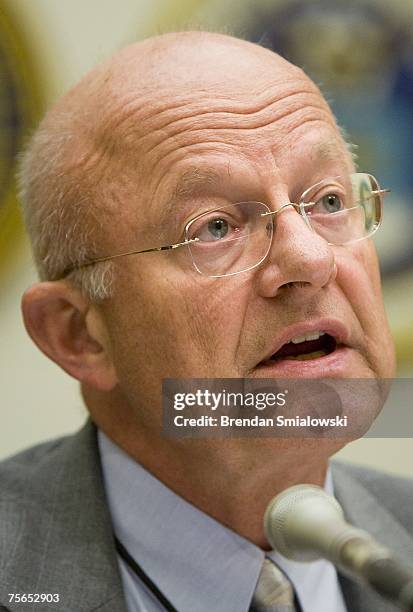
(304, 348)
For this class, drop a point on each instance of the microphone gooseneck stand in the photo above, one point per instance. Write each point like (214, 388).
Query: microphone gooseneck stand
(304, 523)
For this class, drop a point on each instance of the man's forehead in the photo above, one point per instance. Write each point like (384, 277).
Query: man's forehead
(148, 79)
(204, 177)
(140, 126)
(156, 92)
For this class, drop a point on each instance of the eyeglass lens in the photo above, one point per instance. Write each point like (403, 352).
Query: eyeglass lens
(238, 237)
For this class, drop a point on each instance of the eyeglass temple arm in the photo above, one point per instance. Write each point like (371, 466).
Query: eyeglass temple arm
(110, 257)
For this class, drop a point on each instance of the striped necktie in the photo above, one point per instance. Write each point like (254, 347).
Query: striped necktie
(274, 592)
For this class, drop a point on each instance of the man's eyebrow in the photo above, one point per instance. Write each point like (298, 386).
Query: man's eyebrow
(330, 150)
(192, 182)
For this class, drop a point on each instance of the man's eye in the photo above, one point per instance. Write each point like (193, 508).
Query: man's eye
(329, 203)
(218, 228)
(215, 229)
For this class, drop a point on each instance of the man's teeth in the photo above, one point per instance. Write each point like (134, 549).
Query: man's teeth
(307, 337)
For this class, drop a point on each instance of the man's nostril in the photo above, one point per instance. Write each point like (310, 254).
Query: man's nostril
(296, 284)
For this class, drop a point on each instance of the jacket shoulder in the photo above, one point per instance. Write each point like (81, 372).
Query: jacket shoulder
(55, 528)
(27, 475)
(393, 492)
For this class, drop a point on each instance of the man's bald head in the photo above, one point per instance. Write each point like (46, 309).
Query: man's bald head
(77, 171)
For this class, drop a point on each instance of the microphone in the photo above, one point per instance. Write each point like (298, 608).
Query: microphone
(304, 523)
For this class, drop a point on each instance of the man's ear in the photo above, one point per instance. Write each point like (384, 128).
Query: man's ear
(71, 331)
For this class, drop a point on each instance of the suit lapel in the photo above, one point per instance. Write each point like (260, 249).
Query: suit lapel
(364, 510)
(65, 543)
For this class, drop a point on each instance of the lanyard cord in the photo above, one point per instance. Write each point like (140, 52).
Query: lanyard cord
(144, 577)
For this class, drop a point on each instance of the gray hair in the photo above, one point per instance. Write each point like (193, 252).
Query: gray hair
(59, 215)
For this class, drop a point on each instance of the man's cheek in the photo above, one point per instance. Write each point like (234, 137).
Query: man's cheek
(358, 263)
(365, 254)
(215, 323)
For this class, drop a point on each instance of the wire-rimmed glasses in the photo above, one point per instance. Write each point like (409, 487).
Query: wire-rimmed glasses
(238, 237)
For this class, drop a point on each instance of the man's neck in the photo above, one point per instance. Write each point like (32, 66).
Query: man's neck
(231, 480)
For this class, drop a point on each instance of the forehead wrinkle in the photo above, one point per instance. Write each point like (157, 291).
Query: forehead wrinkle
(140, 122)
(234, 136)
(153, 104)
(143, 114)
(236, 118)
(228, 105)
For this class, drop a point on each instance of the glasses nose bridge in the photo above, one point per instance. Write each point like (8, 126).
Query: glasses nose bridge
(273, 213)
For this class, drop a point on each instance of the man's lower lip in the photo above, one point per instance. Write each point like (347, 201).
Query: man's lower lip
(335, 363)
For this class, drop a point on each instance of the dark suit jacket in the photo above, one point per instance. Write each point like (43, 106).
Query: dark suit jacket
(55, 528)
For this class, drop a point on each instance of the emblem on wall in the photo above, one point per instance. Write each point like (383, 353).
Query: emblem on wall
(19, 107)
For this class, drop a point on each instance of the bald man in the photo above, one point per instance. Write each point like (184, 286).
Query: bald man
(182, 217)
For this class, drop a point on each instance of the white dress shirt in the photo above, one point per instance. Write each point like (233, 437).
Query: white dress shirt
(196, 562)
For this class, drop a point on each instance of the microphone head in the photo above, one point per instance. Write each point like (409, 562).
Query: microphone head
(299, 520)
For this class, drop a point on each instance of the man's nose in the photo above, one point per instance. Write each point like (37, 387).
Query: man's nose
(299, 258)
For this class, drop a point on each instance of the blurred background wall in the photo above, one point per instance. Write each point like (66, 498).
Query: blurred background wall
(359, 52)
